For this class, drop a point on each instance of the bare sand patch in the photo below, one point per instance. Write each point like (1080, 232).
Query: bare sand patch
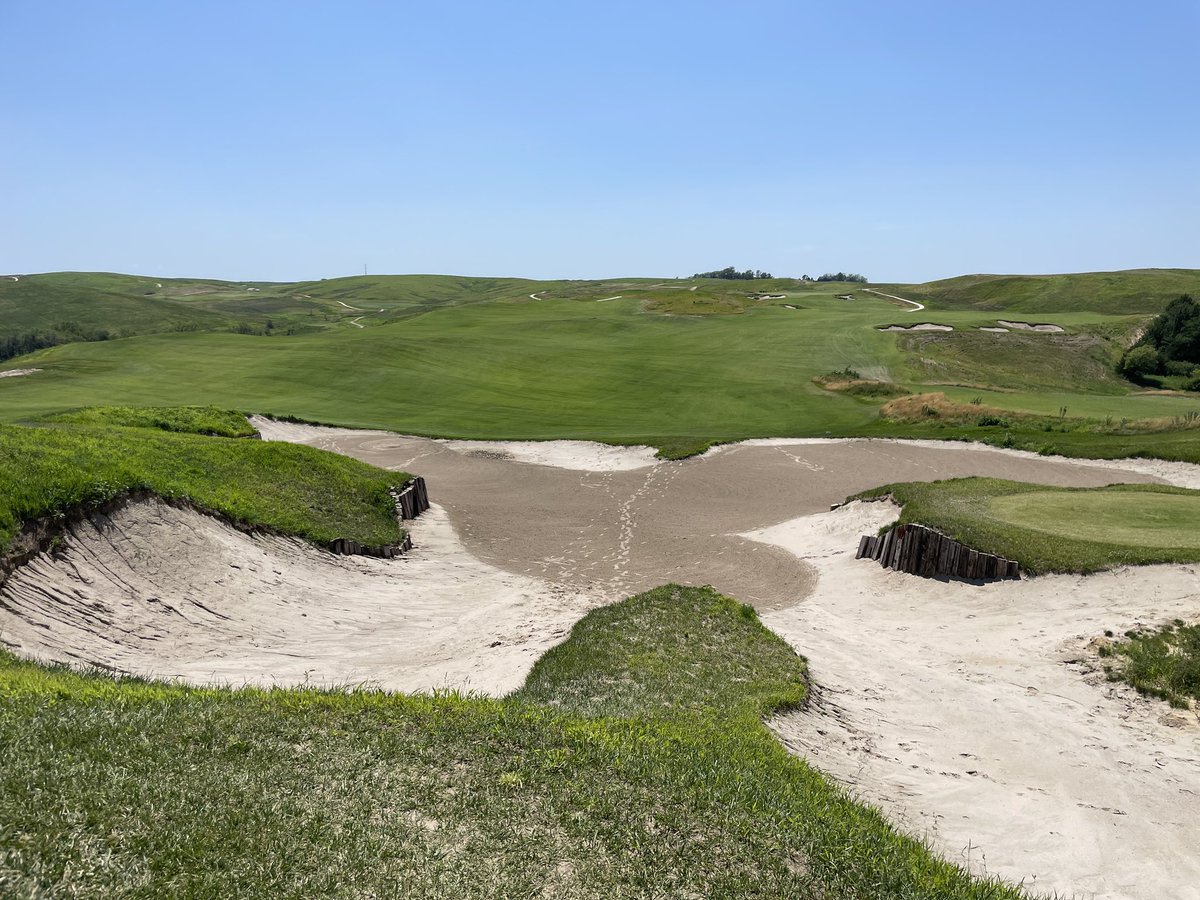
(588, 456)
(168, 593)
(967, 714)
(993, 330)
(924, 326)
(17, 373)
(1028, 326)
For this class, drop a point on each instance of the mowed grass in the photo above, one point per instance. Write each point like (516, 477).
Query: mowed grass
(633, 764)
(49, 471)
(1162, 662)
(552, 368)
(1058, 529)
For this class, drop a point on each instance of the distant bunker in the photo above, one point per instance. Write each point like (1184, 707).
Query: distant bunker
(924, 326)
(1028, 326)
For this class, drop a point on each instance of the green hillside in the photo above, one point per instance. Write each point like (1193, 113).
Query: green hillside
(676, 363)
(1141, 291)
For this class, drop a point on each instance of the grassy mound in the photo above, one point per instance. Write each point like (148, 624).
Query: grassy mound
(50, 470)
(633, 764)
(1164, 663)
(1058, 529)
(186, 419)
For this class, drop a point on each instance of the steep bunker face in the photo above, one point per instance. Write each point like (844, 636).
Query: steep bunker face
(172, 593)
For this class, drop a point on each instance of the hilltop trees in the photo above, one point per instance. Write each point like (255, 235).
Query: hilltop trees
(843, 276)
(729, 273)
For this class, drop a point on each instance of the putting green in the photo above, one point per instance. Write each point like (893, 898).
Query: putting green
(1137, 518)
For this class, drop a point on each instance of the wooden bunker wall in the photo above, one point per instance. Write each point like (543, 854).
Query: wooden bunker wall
(922, 551)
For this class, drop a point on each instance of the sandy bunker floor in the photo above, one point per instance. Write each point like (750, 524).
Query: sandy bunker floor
(953, 707)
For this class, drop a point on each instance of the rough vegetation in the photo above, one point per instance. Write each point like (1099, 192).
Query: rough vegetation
(633, 764)
(185, 419)
(1170, 346)
(1162, 663)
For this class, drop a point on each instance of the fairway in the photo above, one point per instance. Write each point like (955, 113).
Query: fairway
(1143, 519)
(674, 364)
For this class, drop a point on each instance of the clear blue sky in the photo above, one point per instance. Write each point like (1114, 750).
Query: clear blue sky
(294, 140)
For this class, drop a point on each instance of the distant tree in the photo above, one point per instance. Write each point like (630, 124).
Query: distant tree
(843, 276)
(1139, 362)
(729, 273)
(1175, 333)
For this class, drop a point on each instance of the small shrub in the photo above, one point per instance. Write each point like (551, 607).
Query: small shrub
(993, 422)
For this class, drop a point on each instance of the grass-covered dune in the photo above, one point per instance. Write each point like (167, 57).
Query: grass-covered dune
(1050, 529)
(634, 763)
(50, 471)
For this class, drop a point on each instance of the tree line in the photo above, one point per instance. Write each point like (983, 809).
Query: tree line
(1169, 346)
(729, 273)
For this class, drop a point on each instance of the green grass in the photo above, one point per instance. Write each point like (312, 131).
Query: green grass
(1058, 529)
(663, 365)
(572, 788)
(185, 419)
(1134, 291)
(1162, 663)
(51, 470)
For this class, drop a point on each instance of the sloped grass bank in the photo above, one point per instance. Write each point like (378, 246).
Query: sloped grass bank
(184, 419)
(633, 764)
(50, 471)
(1050, 529)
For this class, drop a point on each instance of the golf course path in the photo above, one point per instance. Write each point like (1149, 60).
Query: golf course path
(913, 303)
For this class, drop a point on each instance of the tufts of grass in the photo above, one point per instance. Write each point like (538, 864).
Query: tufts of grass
(1164, 663)
(185, 419)
(633, 764)
(1050, 529)
(50, 471)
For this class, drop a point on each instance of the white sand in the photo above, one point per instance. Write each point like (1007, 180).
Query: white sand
(163, 592)
(584, 456)
(17, 373)
(1026, 326)
(993, 330)
(963, 712)
(924, 326)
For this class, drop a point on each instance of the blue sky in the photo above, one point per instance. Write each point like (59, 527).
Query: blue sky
(295, 140)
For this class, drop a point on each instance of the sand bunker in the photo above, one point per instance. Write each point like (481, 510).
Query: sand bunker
(993, 330)
(1027, 326)
(924, 326)
(172, 593)
(585, 456)
(952, 706)
(965, 712)
(17, 373)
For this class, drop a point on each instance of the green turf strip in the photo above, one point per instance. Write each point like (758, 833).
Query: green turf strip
(633, 764)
